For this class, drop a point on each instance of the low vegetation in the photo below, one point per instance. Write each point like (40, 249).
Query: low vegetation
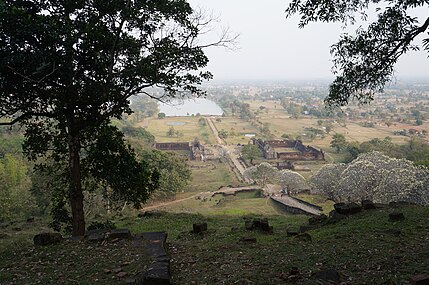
(365, 248)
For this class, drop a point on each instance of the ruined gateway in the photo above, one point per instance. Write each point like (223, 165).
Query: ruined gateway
(288, 150)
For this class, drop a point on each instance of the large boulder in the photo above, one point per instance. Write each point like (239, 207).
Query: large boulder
(368, 205)
(335, 217)
(317, 219)
(199, 228)
(331, 276)
(422, 279)
(259, 224)
(354, 208)
(396, 217)
(342, 208)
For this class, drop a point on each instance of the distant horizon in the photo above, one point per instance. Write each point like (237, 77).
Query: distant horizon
(314, 80)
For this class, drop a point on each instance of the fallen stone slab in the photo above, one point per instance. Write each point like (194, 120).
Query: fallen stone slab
(248, 240)
(43, 239)
(259, 224)
(98, 231)
(354, 208)
(158, 272)
(335, 217)
(248, 225)
(396, 217)
(199, 228)
(119, 234)
(76, 238)
(422, 279)
(151, 214)
(368, 205)
(317, 219)
(330, 275)
(95, 237)
(292, 232)
(342, 208)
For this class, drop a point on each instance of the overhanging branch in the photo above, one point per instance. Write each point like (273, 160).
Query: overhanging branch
(27, 116)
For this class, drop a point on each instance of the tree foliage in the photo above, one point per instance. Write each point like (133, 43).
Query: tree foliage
(326, 180)
(262, 174)
(16, 200)
(374, 176)
(291, 180)
(338, 142)
(364, 62)
(174, 174)
(250, 151)
(68, 67)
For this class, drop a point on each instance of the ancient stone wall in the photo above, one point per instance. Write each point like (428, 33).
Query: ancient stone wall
(302, 152)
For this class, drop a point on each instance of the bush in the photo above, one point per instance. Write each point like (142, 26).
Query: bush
(108, 225)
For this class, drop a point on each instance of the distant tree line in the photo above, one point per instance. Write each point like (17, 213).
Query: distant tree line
(416, 149)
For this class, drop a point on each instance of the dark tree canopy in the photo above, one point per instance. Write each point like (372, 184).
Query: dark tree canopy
(365, 62)
(67, 67)
(250, 151)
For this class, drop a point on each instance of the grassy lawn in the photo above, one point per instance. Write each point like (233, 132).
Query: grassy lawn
(210, 176)
(67, 262)
(230, 205)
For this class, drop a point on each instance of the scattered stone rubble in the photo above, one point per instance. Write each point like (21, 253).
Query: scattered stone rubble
(261, 225)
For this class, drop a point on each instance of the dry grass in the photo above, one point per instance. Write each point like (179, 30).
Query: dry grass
(69, 262)
(231, 205)
(190, 130)
(237, 127)
(210, 176)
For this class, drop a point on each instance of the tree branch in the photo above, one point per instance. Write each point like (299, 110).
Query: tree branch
(30, 79)
(409, 38)
(26, 116)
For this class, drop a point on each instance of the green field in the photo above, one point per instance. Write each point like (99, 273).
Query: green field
(210, 176)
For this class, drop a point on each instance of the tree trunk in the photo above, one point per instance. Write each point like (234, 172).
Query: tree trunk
(75, 191)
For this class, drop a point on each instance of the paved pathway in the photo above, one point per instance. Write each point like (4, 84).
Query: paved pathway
(230, 150)
(148, 208)
(215, 132)
(288, 201)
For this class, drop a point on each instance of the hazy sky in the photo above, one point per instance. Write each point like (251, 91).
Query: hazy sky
(272, 47)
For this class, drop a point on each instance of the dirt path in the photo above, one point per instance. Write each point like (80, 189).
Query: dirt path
(149, 208)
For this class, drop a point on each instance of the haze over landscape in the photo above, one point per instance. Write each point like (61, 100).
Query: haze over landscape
(273, 48)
